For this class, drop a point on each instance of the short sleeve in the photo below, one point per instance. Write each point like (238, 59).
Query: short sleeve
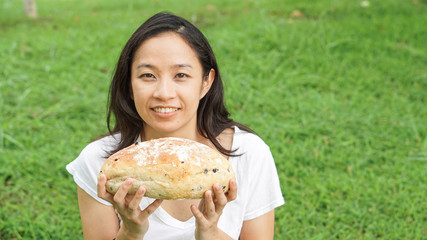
(264, 187)
(86, 166)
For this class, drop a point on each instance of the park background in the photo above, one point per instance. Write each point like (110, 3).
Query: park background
(336, 88)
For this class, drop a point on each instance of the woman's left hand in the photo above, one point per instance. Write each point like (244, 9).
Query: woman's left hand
(210, 209)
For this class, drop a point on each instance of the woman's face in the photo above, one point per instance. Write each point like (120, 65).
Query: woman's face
(167, 84)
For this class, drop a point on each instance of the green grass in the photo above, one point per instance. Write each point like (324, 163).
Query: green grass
(339, 95)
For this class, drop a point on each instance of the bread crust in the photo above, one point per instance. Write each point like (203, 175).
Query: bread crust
(169, 168)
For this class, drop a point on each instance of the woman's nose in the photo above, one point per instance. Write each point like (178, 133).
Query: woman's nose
(164, 90)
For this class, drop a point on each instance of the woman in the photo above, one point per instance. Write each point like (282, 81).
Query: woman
(167, 84)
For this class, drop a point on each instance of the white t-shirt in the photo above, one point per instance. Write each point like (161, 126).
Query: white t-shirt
(258, 187)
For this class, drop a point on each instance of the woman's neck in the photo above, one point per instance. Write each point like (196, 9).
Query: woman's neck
(148, 134)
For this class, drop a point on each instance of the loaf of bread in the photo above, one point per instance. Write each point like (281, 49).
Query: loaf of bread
(168, 168)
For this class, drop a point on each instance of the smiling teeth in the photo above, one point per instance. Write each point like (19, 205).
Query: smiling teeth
(165, 110)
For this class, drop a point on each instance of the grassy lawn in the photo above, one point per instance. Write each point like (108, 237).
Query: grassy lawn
(338, 90)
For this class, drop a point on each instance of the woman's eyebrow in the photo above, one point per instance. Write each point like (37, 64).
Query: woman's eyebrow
(182, 66)
(144, 65)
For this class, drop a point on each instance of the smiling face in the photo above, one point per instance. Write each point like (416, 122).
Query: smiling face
(167, 83)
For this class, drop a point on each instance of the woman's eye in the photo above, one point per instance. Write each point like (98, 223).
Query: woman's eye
(147, 75)
(181, 75)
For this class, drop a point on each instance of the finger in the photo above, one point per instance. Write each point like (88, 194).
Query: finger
(220, 198)
(232, 192)
(151, 208)
(102, 191)
(198, 215)
(210, 205)
(136, 200)
(121, 193)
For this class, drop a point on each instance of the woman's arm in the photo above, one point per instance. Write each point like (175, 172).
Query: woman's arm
(259, 228)
(98, 220)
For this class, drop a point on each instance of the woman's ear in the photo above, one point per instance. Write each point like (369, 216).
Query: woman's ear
(207, 83)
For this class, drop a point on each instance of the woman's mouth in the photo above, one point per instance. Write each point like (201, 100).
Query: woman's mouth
(165, 110)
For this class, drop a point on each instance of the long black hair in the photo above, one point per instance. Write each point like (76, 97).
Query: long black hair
(212, 115)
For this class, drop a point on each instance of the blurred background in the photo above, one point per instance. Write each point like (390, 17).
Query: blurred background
(336, 88)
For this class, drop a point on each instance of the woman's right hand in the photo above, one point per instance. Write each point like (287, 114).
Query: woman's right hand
(135, 220)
